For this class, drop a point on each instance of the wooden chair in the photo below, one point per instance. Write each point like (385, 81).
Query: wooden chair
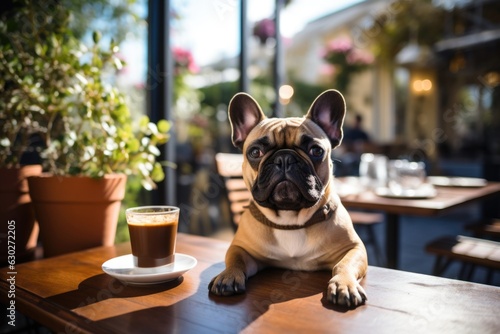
(237, 197)
(366, 221)
(236, 193)
(488, 229)
(471, 252)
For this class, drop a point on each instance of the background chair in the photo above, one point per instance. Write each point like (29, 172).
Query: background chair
(237, 197)
(366, 222)
(470, 252)
(486, 229)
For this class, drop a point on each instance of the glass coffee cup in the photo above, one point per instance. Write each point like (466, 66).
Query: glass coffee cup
(153, 234)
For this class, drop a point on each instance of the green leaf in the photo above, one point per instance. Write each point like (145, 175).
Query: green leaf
(118, 63)
(89, 152)
(153, 128)
(157, 174)
(39, 50)
(154, 150)
(143, 122)
(81, 78)
(143, 169)
(163, 126)
(133, 145)
(148, 184)
(110, 129)
(5, 142)
(96, 36)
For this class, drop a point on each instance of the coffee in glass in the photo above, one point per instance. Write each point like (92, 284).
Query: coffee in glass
(153, 234)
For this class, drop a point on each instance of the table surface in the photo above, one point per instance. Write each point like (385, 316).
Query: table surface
(446, 198)
(70, 293)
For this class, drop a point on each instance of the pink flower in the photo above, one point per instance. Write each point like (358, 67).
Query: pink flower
(184, 59)
(340, 45)
(341, 51)
(346, 60)
(328, 70)
(264, 29)
(357, 56)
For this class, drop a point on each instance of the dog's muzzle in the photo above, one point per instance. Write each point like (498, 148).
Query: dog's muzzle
(287, 181)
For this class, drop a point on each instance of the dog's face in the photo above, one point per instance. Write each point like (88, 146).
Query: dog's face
(287, 164)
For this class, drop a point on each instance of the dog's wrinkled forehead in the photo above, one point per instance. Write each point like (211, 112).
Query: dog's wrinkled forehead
(280, 132)
(286, 133)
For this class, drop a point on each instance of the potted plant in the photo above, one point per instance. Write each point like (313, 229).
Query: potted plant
(17, 219)
(89, 141)
(18, 227)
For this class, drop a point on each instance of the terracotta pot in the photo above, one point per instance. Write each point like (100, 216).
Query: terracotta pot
(17, 218)
(76, 213)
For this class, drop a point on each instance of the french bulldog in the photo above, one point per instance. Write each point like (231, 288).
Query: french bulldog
(295, 219)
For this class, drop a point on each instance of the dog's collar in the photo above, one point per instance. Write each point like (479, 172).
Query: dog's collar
(324, 213)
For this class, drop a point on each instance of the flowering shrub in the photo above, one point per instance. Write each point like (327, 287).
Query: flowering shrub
(346, 60)
(184, 65)
(264, 30)
(183, 61)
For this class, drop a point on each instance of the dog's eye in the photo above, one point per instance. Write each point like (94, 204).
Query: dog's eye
(316, 152)
(255, 153)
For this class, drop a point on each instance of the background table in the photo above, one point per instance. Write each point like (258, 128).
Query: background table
(446, 199)
(70, 293)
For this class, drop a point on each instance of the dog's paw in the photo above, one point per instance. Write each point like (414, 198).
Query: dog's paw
(345, 291)
(227, 283)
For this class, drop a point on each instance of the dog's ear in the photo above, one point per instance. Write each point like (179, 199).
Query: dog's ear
(244, 114)
(328, 111)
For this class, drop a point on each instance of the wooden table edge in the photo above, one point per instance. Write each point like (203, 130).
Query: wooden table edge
(48, 314)
(493, 189)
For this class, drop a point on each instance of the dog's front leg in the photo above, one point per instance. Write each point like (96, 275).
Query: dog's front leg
(344, 287)
(239, 266)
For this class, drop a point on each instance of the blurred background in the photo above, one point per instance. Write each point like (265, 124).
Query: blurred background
(420, 78)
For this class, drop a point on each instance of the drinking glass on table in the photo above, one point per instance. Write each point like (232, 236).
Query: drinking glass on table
(373, 170)
(153, 234)
(405, 176)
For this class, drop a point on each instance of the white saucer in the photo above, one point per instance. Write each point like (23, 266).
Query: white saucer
(444, 181)
(122, 268)
(425, 191)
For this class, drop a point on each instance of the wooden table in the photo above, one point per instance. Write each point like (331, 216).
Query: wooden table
(71, 294)
(447, 198)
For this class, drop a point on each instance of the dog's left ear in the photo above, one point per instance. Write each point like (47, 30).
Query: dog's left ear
(328, 111)
(244, 114)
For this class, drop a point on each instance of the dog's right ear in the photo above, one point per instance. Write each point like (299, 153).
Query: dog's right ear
(328, 111)
(244, 114)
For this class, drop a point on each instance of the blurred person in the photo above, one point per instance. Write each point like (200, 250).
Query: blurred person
(353, 145)
(356, 133)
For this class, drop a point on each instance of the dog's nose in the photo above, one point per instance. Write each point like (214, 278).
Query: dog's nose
(285, 161)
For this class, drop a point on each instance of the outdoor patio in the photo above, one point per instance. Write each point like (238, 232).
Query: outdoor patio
(136, 98)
